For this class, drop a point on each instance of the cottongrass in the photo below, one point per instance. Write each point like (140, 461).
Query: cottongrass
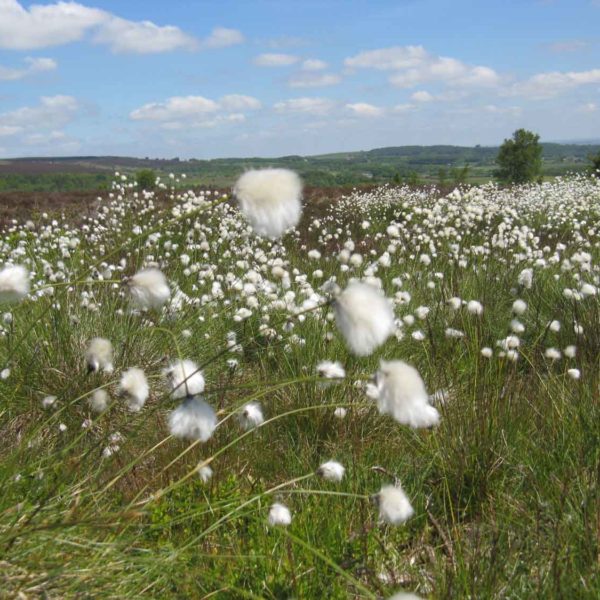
(134, 387)
(14, 284)
(394, 506)
(194, 419)
(279, 515)
(149, 289)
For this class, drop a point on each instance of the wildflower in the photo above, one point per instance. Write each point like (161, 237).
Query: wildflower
(49, 401)
(364, 316)
(184, 378)
(519, 307)
(98, 401)
(452, 333)
(205, 473)
(554, 326)
(251, 416)
(418, 335)
(193, 419)
(574, 373)
(475, 307)
(402, 394)
(526, 278)
(552, 354)
(404, 596)
(270, 199)
(455, 303)
(99, 355)
(149, 289)
(331, 370)
(279, 515)
(422, 312)
(340, 412)
(486, 352)
(394, 505)
(5, 374)
(331, 471)
(14, 284)
(570, 351)
(134, 386)
(587, 289)
(516, 326)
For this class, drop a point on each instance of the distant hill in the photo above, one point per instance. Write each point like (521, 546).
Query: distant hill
(429, 164)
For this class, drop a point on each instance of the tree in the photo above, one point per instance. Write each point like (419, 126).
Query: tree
(520, 158)
(595, 166)
(146, 179)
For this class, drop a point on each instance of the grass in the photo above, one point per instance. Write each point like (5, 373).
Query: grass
(505, 489)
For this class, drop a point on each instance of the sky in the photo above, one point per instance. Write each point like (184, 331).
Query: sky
(239, 78)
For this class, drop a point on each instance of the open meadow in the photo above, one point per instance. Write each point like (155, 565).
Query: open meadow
(396, 392)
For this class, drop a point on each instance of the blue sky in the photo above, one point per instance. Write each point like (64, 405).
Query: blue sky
(267, 78)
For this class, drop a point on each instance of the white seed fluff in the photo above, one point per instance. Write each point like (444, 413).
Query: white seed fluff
(519, 306)
(251, 416)
(331, 370)
(193, 419)
(402, 394)
(364, 316)
(134, 386)
(279, 515)
(184, 378)
(14, 284)
(98, 401)
(149, 289)
(99, 355)
(270, 199)
(331, 471)
(394, 505)
(205, 473)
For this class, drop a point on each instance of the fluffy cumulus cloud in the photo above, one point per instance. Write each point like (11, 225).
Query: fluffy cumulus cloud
(33, 66)
(363, 109)
(275, 60)
(41, 126)
(179, 112)
(313, 64)
(413, 65)
(306, 79)
(311, 106)
(41, 26)
(547, 85)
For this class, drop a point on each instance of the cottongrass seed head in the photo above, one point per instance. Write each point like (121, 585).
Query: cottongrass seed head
(279, 514)
(251, 416)
(99, 400)
(394, 505)
(364, 316)
(331, 471)
(184, 379)
(134, 387)
(99, 355)
(14, 284)
(193, 419)
(270, 199)
(402, 394)
(149, 289)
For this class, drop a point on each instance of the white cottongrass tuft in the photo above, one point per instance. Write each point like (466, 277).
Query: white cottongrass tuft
(574, 373)
(149, 289)
(487, 352)
(14, 284)
(98, 401)
(331, 471)
(519, 306)
(526, 278)
(270, 199)
(340, 412)
(204, 472)
(404, 596)
(279, 514)
(401, 393)
(99, 355)
(331, 370)
(475, 308)
(251, 416)
(193, 419)
(394, 505)
(134, 386)
(184, 378)
(364, 316)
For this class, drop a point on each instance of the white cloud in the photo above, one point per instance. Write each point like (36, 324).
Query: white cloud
(313, 64)
(514, 111)
(362, 109)
(413, 65)
(53, 112)
(41, 26)
(422, 96)
(221, 37)
(313, 79)
(275, 60)
(567, 46)
(589, 107)
(547, 85)
(239, 102)
(314, 106)
(402, 108)
(142, 37)
(34, 66)
(181, 112)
